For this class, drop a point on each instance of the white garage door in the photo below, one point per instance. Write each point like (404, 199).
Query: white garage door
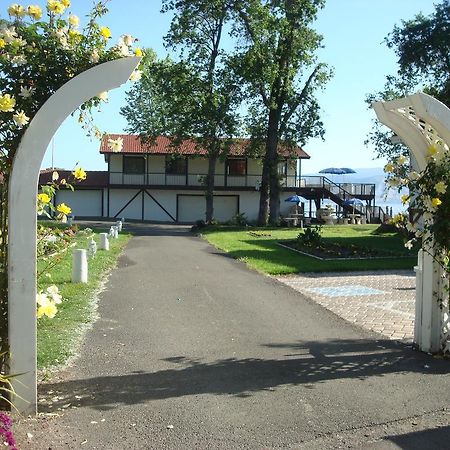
(84, 203)
(192, 207)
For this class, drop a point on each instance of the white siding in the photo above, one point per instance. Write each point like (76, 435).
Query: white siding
(118, 198)
(167, 199)
(192, 207)
(84, 203)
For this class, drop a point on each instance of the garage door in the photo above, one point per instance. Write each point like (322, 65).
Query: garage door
(192, 207)
(84, 203)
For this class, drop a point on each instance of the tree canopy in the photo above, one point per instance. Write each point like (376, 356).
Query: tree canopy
(422, 46)
(277, 64)
(195, 96)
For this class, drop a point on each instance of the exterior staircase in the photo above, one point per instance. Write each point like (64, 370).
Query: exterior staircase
(317, 188)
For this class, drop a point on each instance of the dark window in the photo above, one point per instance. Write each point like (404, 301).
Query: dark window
(237, 167)
(282, 168)
(133, 164)
(176, 165)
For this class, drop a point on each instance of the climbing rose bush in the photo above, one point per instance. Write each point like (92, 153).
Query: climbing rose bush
(428, 200)
(41, 50)
(428, 221)
(38, 56)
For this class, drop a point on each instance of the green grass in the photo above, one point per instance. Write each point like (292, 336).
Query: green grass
(58, 337)
(263, 253)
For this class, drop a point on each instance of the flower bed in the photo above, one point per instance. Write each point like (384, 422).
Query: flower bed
(328, 251)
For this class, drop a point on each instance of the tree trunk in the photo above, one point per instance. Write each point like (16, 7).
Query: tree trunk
(263, 215)
(209, 193)
(274, 204)
(270, 166)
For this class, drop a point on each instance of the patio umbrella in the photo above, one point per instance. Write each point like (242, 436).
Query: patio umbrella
(346, 170)
(333, 171)
(353, 202)
(295, 199)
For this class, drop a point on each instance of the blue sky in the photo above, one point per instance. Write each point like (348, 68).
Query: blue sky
(353, 33)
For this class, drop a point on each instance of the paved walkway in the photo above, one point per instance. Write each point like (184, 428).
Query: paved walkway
(194, 351)
(377, 301)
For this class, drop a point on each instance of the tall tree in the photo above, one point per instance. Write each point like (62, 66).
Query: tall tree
(422, 46)
(194, 97)
(278, 65)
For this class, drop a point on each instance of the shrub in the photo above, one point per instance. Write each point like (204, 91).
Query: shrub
(310, 237)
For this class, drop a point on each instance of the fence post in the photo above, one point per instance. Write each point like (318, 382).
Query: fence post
(79, 266)
(104, 242)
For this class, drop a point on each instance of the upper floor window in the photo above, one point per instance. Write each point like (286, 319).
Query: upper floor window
(133, 164)
(237, 166)
(282, 168)
(176, 165)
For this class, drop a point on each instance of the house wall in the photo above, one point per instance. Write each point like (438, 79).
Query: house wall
(161, 205)
(115, 163)
(83, 202)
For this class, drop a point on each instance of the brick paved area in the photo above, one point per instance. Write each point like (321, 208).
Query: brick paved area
(381, 301)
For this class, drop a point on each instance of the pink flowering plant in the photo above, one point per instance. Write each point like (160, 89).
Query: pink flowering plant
(6, 434)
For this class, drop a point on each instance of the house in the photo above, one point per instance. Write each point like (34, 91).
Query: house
(155, 182)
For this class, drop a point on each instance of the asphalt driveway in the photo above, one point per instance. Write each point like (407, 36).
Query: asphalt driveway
(194, 351)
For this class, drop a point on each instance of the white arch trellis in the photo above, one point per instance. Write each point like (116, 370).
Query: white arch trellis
(419, 120)
(23, 187)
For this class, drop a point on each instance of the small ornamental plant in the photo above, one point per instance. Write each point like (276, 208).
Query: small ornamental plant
(6, 434)
(40, 51)
(428, 201)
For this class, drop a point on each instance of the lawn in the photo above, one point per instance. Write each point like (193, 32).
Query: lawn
(58, 337)
(259, 249)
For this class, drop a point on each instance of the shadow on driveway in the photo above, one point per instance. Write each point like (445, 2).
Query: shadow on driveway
(309, 363)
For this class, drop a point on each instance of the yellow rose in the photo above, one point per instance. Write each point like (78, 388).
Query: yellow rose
(2, 43)
(433, 150)
(404, 198)
(389, 167)
(63, 209)
(35, 12)
(44, 198)
(138, 52)
(440, 187)
(7, 103)
(66, 3)
(74, 20)
(402, 159)
(105, 32)
(49, 309)
(79, 174)
(435, 202)
(16, 10)
(55, 6)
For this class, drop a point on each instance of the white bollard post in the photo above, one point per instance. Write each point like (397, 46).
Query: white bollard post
(104, 241)
(115, 232)
(92, 248)
(119, 225)
(69, 221)
(79, 266)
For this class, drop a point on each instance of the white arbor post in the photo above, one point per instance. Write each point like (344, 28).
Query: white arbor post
(419, 120)
(22, 217)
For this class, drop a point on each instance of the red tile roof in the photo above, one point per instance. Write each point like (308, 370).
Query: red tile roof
(94, 179)
(133, 144)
